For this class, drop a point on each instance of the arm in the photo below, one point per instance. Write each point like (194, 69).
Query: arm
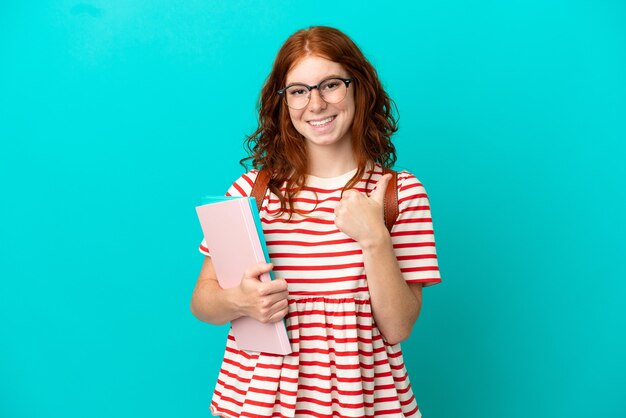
(396, 304)
(264, 301)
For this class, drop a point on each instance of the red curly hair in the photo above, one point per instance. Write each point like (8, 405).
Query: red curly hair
(279, 148)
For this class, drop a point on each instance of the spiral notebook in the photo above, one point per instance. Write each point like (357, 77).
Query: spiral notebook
(232, 232)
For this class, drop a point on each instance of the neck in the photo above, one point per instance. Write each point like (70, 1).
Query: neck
(324, 161)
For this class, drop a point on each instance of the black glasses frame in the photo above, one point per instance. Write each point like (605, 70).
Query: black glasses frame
(282, 91)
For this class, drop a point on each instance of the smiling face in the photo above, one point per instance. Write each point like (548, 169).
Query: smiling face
(321, 123)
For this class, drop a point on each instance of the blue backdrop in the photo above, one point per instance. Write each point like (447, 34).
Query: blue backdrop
(117, 117)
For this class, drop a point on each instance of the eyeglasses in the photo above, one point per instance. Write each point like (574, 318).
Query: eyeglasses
(332, 90)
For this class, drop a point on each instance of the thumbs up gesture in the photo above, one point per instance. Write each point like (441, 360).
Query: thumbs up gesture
(361, 217)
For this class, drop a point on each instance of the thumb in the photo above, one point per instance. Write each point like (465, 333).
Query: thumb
(379, 192)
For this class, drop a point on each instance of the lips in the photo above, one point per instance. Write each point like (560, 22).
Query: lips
(321, 122)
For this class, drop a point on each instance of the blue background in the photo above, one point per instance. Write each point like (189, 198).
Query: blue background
(117, 117)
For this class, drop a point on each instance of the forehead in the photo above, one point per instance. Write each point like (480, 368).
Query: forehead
(311, 69)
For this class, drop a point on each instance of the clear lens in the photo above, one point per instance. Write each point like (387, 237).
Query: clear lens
(332, 90)
(297, 96)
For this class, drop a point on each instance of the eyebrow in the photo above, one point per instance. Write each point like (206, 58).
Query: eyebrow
(324, 78)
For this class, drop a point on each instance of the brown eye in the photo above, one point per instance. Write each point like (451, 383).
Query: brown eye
(331, 85)
(297, 91)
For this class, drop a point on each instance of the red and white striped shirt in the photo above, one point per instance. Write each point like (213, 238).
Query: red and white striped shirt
(340, 366)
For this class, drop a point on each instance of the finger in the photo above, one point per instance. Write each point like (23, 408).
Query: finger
(339, 209)
(280, 305)
(268, 302)
(283, 309)
(258, 269)
(273, 310)
(349, 193)
(379, 192)
(277, 286)
(274, 298)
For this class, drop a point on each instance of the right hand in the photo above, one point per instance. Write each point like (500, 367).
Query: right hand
(264, 301)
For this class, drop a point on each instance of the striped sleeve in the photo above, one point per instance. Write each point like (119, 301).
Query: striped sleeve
(413, 235)
(241, 187)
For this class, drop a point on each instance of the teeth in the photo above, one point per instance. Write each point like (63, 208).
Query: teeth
(321, 122)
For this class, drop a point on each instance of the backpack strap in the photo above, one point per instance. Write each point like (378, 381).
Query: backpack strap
(390, 205)
(391, 199)
(259, 188)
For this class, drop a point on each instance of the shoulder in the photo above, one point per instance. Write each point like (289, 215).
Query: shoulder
(405, 179)
(243, 185)
(410, 188)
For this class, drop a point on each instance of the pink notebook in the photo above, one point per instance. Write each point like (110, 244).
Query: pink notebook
(230, 232)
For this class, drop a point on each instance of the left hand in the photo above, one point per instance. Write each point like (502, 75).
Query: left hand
(362, 217)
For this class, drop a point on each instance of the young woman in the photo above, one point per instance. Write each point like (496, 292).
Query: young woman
(349, 290)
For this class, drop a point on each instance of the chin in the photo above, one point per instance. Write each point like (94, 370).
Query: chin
(325, 141)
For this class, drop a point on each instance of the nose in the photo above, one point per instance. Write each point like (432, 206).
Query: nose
(316, 103)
